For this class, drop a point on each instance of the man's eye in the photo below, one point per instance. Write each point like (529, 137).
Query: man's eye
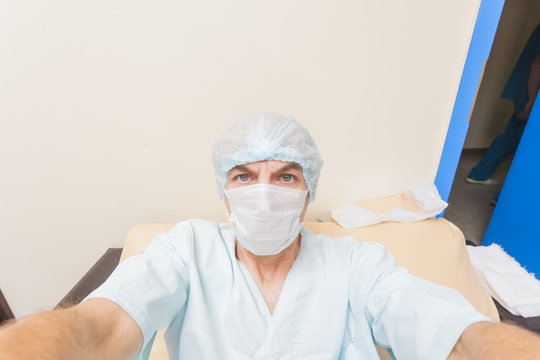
(243, 177)
(287, 177)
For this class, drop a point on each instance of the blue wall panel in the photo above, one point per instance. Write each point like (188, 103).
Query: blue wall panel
(479, 49)
(515, 224)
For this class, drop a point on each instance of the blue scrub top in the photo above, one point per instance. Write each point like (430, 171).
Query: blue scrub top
(340, 299)
(516, 87)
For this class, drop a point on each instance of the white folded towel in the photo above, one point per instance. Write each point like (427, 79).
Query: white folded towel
(506, 281)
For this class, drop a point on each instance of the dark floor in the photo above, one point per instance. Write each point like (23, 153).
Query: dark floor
(468, 204)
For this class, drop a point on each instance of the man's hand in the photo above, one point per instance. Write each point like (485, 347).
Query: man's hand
(484, 340)
(95, 329)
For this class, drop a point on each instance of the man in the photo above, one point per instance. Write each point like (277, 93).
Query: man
(265, 288)
(522, 88)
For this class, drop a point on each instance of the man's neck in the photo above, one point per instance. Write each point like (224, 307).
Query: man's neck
(268, 267)
(269, 272)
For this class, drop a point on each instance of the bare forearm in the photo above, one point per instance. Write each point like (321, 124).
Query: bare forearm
(96, 329)
(49, 335)
(496, 341)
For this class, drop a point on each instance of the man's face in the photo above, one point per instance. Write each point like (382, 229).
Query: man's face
(273, 172)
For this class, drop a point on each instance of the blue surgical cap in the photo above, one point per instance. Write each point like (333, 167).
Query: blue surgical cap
(267, 137)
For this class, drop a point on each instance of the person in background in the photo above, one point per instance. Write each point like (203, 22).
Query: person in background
(522, 88)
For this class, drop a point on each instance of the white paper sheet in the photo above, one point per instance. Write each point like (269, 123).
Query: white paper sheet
(425, 196)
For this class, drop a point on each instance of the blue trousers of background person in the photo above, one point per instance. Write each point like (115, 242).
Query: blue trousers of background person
(501, 147)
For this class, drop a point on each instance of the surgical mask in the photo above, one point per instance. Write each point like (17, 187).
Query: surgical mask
(266, 218)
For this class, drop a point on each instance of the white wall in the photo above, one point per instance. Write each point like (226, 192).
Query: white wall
(109, 108)
(491, 112)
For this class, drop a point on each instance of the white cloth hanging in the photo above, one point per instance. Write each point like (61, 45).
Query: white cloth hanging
(506, 281)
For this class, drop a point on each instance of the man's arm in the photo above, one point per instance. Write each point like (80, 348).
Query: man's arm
(533, 86)
(95, 329)
(484, 340)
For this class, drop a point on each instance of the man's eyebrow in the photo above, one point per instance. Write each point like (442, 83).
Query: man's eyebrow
(293, 166)
(243, 168)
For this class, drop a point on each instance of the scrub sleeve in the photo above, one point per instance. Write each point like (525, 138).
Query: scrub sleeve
(151, 287)
(417, 319)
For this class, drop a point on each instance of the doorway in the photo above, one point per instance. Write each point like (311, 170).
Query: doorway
(469, 204)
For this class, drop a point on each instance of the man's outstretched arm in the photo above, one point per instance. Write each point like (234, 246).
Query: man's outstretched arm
(484, 340)
(95, 329)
